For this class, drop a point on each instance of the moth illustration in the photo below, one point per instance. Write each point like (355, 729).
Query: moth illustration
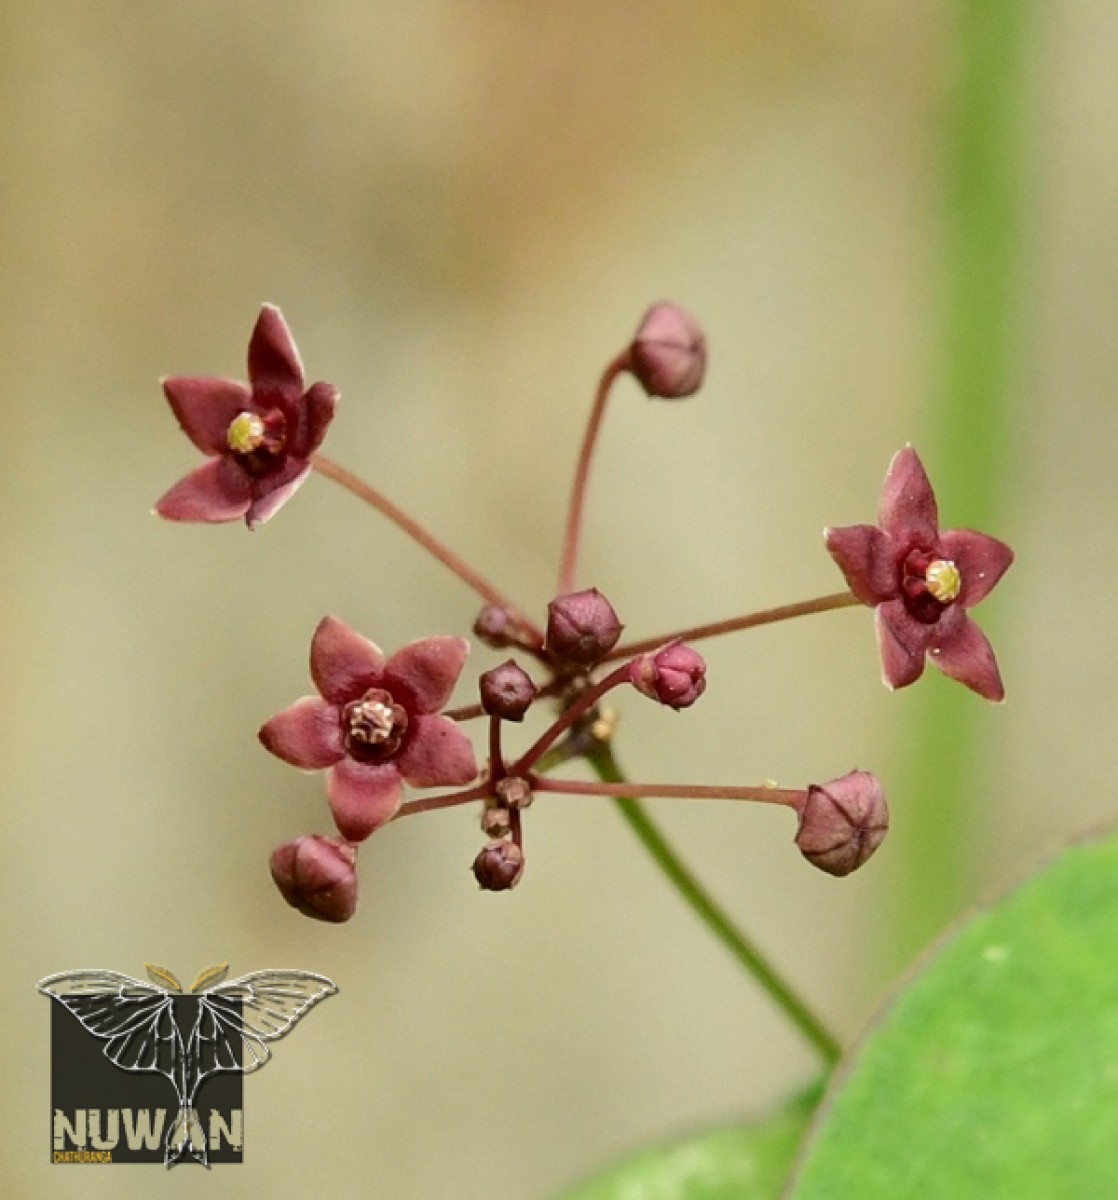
(187, 1035)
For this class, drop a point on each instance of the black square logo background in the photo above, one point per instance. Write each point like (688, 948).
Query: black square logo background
(83, 1078)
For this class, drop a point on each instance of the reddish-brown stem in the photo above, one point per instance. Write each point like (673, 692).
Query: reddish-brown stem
(582, 705)
(767, 616)
(496, 761)
(516, 827)
(573, 532)
(789, 797)
(449, 800)
(430, 543)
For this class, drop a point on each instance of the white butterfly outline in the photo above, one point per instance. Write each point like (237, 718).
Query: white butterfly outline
(234, 1023)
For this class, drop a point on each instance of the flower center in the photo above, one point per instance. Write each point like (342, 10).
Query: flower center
(374, 726)
(257, 440)
(246, 433)
(929, 585)
(943, 580)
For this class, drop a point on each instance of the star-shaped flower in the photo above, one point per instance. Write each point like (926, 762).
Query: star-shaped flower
(921, 582)
(258, 437)
(375, 724)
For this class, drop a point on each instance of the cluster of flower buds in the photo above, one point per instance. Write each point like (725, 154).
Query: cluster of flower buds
(378, 723)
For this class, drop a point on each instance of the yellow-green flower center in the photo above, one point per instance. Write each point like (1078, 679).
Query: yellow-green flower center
(943, 580)
(246, 433)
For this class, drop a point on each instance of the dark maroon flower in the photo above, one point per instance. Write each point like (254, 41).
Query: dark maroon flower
(494, 627)
(668, 356)
(675, 675)
(843, 822)
(259, 437)
(507, 691)
(922, 582)
(582, 627)
(375, 724)
(499, 866)
(496, 821)
(513, 792)
(317, 876)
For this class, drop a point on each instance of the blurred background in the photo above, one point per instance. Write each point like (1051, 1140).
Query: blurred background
(895, 223)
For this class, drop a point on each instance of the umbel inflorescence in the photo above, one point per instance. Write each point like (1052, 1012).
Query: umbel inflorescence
(379, 725)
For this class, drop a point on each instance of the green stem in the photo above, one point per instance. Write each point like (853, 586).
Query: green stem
(604, 764)
(971, 416)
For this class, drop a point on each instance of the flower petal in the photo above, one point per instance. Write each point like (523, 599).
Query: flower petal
(981, 560)
(439, 754)
(205, 408)
(902, 641)
(307, 735)
(907, 509)
(313, 413)
(271, 492)
(868, 560)
(344, 665)
(961, 651)
(217, 491)
(363, 797)
(426, 671)
(273, 360)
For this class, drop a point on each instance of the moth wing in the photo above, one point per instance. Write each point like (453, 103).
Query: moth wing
(237, 1019)
(134, 1019)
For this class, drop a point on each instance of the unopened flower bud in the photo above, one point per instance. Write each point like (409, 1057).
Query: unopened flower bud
(843, 822)
(507, 691)
(496, 821)
(668, 356)
(582, 627)
(513, 792)
(317, 876)
(675, 676)
(499, 866)
(493, 627)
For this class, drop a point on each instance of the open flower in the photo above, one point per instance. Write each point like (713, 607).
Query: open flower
(259, 437)
(375, 724)
(922, 582)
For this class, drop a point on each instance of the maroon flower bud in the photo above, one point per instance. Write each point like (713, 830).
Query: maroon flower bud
(499, 866)
(843, 822)
(675, 676)
(582, 627)
(668, 356)
(317, 876)
(493, 627)
(513, 792)
(496, 821)
(507, 691)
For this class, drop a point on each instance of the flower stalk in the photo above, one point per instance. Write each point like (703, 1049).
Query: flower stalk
(753, 620)
(604, 764)
(573, 532)
(419, 534)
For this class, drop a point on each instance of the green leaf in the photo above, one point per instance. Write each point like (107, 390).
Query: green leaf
(994, 1073)
(748, 1162)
